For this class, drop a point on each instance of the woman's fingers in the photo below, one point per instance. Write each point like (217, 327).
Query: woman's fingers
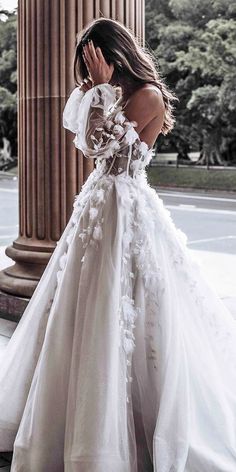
(92, 54)
(87, 58)
(92, 50)
(103, 60)
(100, 54)
(99, 70)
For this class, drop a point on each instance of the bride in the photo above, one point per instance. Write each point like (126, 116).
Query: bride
(125, 357)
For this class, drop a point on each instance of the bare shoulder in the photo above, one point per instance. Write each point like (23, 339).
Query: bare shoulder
(147, 100)
(145, 106)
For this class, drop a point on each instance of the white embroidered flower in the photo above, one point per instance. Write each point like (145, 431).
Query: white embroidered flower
(69, 237)
(128, 345)
(97, 232)
(82, 236)
(109, 124)
(59, 276)
(127, 237)
(93, 212)
(130, 136)
(118, 130)
(115, 146)
(135, 165)
(62, 260)
(119, 118)
(99, 195)
(129, 312)
(143, 147)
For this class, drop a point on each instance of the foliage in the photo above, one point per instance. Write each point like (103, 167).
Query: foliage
(8, 79)
(194, 42)
(192, 177)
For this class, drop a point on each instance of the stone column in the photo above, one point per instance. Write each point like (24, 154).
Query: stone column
(51, 170)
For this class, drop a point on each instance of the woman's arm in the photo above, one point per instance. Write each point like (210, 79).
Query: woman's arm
(97, 131)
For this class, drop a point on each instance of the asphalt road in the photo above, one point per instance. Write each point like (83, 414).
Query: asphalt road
(209, 221)
(8, 210)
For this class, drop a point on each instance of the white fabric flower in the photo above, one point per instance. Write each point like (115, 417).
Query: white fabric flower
(62, 260)
(131, 136)
(97, 232)
(118, 129)
(143, 147)
(109, 124)
(119, 117)
(93, 213)
(99, 195)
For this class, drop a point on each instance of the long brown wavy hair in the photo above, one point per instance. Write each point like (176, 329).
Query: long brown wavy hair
(120, 47)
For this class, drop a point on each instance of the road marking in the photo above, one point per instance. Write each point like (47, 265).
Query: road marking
(201, 210)
(8, 236)
(9, 190)
(201, 197)
(186, 206)
(196, 241)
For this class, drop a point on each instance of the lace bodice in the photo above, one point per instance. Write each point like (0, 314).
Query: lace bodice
(103, 132)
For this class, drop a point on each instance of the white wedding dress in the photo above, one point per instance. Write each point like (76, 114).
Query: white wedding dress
(125, 357)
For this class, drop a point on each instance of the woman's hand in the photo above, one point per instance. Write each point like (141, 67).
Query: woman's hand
(99, 70)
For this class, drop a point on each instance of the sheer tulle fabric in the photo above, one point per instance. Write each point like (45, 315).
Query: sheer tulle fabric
(102, 130)
(125, 357)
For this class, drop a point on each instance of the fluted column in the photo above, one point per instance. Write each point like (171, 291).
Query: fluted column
(51, 170)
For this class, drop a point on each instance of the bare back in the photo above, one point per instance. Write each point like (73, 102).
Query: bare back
(152, 111)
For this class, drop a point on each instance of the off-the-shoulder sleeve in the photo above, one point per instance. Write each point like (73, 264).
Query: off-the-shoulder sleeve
(98, 130)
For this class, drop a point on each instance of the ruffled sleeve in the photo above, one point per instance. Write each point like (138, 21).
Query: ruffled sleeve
(99, 132)
(70, 117)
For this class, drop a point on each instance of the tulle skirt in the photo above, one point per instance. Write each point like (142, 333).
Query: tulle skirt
(125, 357)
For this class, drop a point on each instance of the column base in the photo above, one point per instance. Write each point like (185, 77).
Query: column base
(12, 307)
(21, 279)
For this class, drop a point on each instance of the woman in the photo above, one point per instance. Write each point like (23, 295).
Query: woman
(124, 360)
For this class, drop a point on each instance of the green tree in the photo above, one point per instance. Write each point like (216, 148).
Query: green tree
(8, 79)
(194, 43)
